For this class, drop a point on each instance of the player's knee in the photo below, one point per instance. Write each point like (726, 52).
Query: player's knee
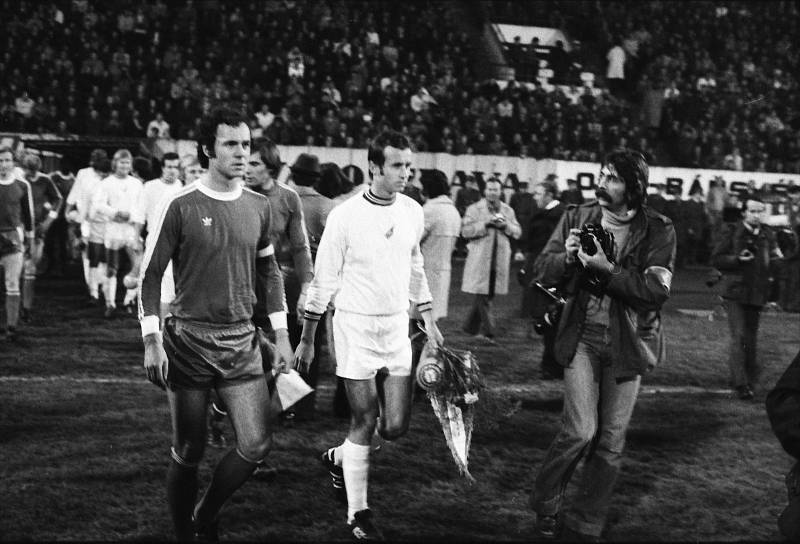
(254, 450)
(188, 453)
(393, 429)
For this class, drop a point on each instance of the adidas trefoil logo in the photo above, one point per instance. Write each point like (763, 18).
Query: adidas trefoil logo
(206, 221)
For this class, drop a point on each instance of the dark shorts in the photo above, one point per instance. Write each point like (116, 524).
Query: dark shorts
(96, 253)
(206, 355)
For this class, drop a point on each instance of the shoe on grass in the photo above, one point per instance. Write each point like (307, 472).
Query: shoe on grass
(363, 527)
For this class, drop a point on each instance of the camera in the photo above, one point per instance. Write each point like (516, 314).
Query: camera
(591, 280)
(549, 321)
(604, 238)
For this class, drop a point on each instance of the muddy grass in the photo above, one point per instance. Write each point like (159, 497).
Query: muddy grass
(86, 460)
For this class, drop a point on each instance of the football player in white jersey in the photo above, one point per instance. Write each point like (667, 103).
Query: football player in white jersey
(369, 257)
(90, 233)
(117, 202)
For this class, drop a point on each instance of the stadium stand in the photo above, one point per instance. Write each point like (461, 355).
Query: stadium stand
(704, 85)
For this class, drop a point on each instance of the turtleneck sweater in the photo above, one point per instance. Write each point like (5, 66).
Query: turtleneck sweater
(619, 225)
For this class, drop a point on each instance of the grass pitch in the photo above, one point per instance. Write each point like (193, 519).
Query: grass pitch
(85, 441)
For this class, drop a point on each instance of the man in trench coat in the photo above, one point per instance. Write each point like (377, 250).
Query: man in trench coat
(488, 225)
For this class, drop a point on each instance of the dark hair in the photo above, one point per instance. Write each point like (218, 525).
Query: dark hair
(632, 169)
(169, 156)
(434, 183)
(143, 167)
(97, 156)
(269, 153)
(221, 115)
(550, 186)
(378, 144)
(331, 180)
(354, 176)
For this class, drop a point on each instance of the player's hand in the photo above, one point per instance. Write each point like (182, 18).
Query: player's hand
(572, 245)
(746, 256)
(435, 338)
(283, 352)
(301, 307)
(303, 356)
(155, 361)
(121, 217)
(598, 261)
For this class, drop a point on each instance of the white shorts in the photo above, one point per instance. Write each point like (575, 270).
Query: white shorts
(365, 344)
(168, 285)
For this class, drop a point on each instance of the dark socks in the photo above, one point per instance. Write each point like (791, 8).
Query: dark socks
(181, 496)
(231, 472)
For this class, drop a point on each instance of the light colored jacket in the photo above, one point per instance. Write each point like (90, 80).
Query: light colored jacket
(442, 227)
(481, 241)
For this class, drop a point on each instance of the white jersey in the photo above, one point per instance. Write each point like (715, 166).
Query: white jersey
(154, 195)
(86, 183)
(115, 194)
(369, 257)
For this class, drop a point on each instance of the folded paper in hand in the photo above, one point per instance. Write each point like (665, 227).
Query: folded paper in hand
(290, 388)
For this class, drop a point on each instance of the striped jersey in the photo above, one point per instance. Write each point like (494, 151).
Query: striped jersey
(213, 239)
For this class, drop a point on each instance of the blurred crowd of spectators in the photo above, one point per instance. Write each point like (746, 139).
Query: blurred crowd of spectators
(715, 83)
(704, 84)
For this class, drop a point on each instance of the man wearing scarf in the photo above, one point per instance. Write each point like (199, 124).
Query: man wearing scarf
(609, 335)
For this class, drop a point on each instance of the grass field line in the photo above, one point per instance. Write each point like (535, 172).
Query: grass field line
(550, 387)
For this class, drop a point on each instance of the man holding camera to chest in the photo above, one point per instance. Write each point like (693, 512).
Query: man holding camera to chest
(612, 260)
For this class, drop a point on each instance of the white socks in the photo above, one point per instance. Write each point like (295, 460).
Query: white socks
(111, 292)
(355, 465)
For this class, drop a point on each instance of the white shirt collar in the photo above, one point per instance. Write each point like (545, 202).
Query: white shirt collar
(217, 195)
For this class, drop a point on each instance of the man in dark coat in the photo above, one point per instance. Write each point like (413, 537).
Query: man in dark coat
(746, 254)
(542, 224)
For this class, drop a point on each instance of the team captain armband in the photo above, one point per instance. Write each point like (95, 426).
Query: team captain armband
(312, 316)
(424, 306)
(266, 252)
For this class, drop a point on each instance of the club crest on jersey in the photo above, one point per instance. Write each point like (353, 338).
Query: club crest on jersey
(206, 221)
(389, 232)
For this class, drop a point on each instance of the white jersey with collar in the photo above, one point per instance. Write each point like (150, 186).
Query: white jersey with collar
(369, 258)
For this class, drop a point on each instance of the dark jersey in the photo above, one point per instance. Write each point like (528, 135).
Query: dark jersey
(213, 240)
(16, 205)
(44, 192)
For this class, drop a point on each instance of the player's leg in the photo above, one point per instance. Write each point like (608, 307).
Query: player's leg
(131, 279)
(110, 290)
(29, 277)
(364, 405)
(96, 255)
(394, 394)
(216, 420)
(188, 409)
(248, 408)
(12, 265)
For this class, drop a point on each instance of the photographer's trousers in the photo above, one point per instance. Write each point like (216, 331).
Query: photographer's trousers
(596, 414)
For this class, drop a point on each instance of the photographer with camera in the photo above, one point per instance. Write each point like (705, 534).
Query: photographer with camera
(487, 226)
(746, 253)
(612, 259)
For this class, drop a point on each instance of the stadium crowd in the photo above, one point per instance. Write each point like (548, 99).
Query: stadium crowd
(704, 86)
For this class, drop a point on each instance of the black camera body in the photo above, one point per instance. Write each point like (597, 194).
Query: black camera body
(549, 320)
(604, 238)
